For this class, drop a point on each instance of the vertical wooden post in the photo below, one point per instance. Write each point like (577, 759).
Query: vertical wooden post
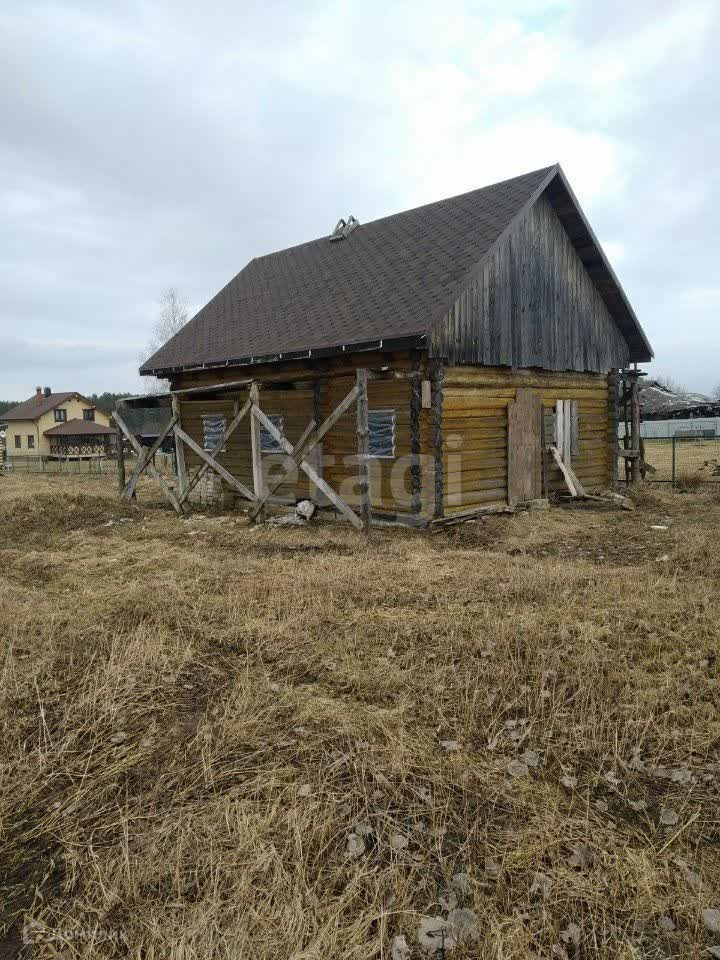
(613, 424)
(415, 466)
(635, 426)
(179, 452)
(363, 449)
(627, 441)
(256, 446)
(318, 418)
(560, 427)
(120, 459)
(437, 402)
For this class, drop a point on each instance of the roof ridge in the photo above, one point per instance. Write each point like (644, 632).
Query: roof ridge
(42, 404)
(401, 213)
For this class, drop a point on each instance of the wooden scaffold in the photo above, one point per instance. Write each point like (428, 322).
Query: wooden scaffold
(632, 450)
(297, 456)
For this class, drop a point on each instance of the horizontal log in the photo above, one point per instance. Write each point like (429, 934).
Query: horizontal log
(497, 412)
(534, 382)
(471, 499)
(455, 437)
(547, 393)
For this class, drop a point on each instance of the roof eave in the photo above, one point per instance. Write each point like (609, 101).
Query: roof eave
(322, 353)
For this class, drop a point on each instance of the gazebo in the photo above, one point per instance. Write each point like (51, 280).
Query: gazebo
(80, 439)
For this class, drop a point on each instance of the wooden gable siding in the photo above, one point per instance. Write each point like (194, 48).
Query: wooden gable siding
(532, 304)
(475, 431)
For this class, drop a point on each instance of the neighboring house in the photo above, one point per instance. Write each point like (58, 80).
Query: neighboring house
(473, 316)
(676, 413)
(57, 426)
(658, 402)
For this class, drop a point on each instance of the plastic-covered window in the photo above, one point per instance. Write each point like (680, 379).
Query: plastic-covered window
(213, 431)
(268, 443)
(381, 425)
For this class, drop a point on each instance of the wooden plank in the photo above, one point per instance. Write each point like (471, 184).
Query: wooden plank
(120, 441)
(438, 376)
(566, 448)
(215, 452)
(524, 455)
(181, 470)
(256, 445)
(465, 515)
(150, 467)
(571, 481)
(217, 467)
(363, 449)
(635, 427)
(416, 402)
(317, 417)
(325, 488)
(560, 425)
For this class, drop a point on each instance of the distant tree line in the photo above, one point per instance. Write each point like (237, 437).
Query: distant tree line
(107, 401)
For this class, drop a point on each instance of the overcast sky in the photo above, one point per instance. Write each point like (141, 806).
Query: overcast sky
(153, 144)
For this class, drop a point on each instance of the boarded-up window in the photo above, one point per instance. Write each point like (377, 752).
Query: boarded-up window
(562, 427)
(381, 426)
(268, 443)
(213, 431)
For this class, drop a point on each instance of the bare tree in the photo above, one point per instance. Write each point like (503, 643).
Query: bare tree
(716, 393)
(174, 314)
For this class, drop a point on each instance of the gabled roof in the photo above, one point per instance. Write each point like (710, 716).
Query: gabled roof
(386, 284)
(76, 428)
(36, 406)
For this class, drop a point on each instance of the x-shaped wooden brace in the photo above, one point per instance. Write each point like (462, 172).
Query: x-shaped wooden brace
(298, 453)
(145, 462)
(142, 461)
(209, 461)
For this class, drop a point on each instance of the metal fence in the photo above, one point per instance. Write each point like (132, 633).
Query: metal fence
(680, 460)
(98, 466)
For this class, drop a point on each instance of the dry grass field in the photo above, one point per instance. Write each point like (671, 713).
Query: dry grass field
(693, 459)
(221, 741)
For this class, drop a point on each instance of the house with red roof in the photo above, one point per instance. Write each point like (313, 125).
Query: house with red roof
(63, 425)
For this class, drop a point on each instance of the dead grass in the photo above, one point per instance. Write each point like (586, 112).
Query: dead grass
(198, 714)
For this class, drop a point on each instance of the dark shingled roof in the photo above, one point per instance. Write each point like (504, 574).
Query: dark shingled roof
(389, 280)
(76, 428)
(36, 406)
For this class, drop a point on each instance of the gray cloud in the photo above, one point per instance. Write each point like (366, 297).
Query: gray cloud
(143, 146)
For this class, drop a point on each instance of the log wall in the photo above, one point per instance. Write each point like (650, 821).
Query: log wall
(390, 478)
(475, 422)
(473, 433)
